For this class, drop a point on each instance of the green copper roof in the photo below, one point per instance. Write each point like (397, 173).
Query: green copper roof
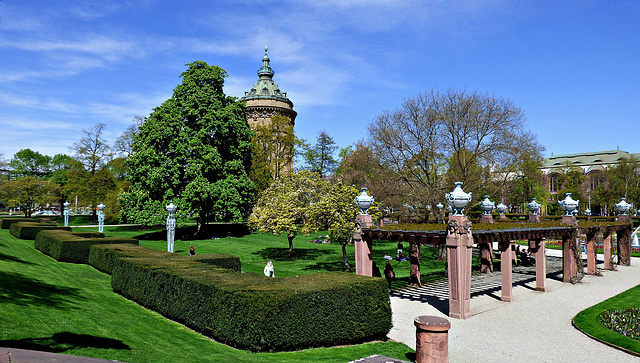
(266, 88)
(590, 158)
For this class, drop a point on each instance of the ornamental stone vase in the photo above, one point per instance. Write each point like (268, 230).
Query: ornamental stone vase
(501, 208)
(534, 206)
(458, 199)
(487, 206)
(623, 207)
(363, 201)
(569, 205)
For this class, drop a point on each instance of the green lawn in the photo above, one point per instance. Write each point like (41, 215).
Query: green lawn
(587, 320)
(68, 308)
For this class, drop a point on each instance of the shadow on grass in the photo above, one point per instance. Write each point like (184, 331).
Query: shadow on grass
(61, 342)
(190, 233)
(25, 291)
(282, 254)
(5, 257)
(327, 266)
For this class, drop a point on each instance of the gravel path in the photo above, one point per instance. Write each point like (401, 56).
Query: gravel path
(535, 327)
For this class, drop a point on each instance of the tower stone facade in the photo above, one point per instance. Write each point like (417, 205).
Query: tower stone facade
(265, 99)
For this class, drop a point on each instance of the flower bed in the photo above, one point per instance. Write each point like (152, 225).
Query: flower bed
(623, 321)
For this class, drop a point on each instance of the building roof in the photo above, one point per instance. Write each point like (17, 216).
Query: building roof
(588, 161)
(266, 88)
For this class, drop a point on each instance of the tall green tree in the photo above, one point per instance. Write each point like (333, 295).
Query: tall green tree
(320, 158)
(194, 150)
(27, 162)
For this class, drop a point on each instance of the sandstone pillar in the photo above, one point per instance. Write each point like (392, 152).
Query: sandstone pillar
(624, 242)
(363, 247)
(569, 268)
(591, 254)
(432, 339)
(414, 258)
(538, 251)
(606, 247)
(506, 272)
(459, 242)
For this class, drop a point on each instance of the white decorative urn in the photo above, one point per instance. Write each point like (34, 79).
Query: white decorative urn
(363, 201)
(534, 206)
(501, 208)
(458, 199)
(487, 206)
(568, 205)
(623, 207)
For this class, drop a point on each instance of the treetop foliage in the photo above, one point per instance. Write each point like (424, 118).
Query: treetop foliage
(194, 150)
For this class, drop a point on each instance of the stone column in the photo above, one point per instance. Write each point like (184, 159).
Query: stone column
(624, 242)
(414, 258)
(459, 242)
(432, 339)
(538, 251)
(534, 218)
(606, 247)
(363, 247)
(591, 254)
(569, 268)
(506, 273)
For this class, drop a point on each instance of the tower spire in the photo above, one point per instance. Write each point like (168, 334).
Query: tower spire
(265, 70)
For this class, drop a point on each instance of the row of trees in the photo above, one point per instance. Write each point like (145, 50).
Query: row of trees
(92, 175)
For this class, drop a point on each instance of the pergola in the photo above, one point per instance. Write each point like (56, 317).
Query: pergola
(459, 239)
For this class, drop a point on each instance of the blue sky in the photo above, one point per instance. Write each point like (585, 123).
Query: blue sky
(572, 66)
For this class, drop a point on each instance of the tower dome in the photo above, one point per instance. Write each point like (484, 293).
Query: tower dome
(265, 99)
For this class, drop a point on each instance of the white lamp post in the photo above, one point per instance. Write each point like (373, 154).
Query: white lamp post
(65, 213)
(171, 226)
(101, 217)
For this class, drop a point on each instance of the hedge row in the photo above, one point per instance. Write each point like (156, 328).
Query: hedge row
(29, 230)
(67, 246)
(6, 222)
(104, 257)
(246, 310)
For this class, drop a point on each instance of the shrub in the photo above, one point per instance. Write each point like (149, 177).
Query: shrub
(103, 257)
(66, 246)
(6, 223)
(246, 310)
(29, 230)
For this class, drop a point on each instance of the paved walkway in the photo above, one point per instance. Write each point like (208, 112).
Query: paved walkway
(535, 327)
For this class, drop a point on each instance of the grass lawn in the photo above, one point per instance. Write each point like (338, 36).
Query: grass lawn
(68, 308)
(587, 320)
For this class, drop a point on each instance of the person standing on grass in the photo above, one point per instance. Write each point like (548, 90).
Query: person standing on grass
(389, 274)
(268, 270)
(192, 251)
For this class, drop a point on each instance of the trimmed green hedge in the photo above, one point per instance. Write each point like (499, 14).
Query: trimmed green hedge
(6, 222)
(29, 230)
(66, 246)
(103, 257)
(250, 311)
